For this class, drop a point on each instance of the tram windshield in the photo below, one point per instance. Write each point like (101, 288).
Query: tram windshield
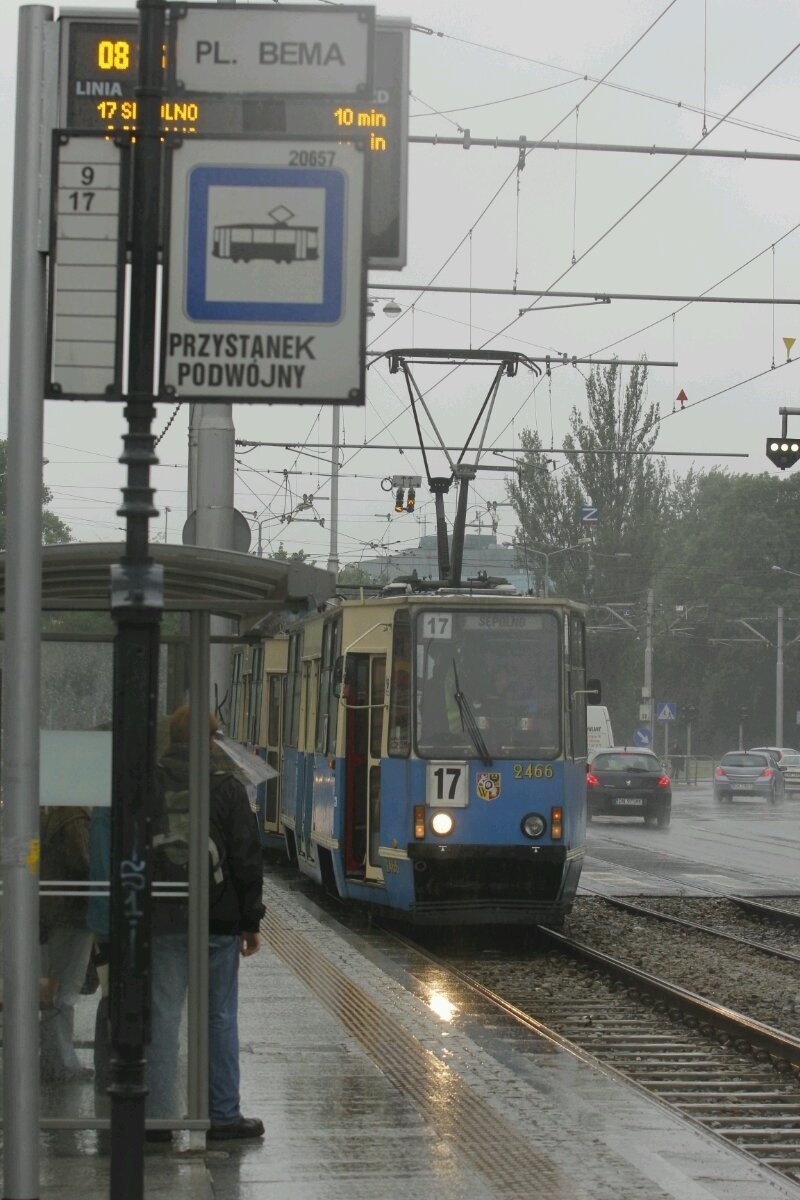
(487, 684)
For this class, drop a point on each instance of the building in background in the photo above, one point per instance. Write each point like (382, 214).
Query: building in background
(482, 552)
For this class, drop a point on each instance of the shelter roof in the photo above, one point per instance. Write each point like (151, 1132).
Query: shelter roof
(76, 575)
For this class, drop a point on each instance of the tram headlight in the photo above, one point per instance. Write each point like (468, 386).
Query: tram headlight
(534, 825)
(442, 824)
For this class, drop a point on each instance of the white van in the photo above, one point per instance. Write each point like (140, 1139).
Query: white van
(598, 728)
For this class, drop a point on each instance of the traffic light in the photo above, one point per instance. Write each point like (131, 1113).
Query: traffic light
(743, 713)
(398, 501)
(689, 713)
(783, 451)
(412, 498)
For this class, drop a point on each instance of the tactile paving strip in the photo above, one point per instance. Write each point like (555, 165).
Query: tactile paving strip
(475, 1130)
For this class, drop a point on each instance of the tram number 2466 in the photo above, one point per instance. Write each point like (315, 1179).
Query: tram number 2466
(533, 771)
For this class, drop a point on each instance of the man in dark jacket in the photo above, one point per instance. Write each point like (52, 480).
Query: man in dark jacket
(234, 916)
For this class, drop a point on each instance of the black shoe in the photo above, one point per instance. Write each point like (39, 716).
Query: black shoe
(245, 1127)
(158, 1135)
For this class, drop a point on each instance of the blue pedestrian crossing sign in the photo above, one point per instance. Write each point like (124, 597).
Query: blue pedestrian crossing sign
(266, 269)
(642, 736)
(666, 710)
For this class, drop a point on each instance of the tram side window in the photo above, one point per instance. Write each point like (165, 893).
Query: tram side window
(400, 694)
(236, 694)
(274, 711)
(333, 699)
(325, 684)
(577, 686)
(293, 688)
(257, 679)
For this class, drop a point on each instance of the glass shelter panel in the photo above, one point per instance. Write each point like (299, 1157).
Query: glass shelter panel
(488, 684)
(74, 934)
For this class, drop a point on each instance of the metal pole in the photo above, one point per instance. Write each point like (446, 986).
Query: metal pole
(136, 603)
(19, 849)
(779, 683)
(214, 521)
(466, 142)
(464, 475)
(440, 486)
(197, 1025)
(647, 691)
(333, 553)
(567, 295)
(191, 477)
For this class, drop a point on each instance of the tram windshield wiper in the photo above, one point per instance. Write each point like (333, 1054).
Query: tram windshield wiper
(468, 721)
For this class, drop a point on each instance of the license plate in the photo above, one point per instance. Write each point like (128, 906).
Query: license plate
(629, 801)
(741, 787)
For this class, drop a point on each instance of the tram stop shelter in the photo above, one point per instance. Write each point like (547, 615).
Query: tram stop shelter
(200, 584)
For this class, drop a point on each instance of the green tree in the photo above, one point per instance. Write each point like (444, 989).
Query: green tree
(610, 465)
(283, 555)
(717, 604)
(53, 528)
(355, 575)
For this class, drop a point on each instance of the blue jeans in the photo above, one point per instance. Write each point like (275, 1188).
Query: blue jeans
(65, 957)
(170, 966)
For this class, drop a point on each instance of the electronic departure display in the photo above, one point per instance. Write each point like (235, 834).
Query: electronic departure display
(100, 65)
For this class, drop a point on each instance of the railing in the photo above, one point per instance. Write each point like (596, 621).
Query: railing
(689, 770)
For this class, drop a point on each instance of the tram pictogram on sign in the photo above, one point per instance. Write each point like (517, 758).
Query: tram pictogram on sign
(265, 294)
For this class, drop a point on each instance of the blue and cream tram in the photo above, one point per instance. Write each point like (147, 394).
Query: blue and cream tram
(434, 754)
(258, 687)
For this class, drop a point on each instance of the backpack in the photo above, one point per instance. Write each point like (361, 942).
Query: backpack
(171, 844)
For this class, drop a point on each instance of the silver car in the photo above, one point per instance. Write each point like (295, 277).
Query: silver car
(790, 769)
(748, 773)
(778, 752)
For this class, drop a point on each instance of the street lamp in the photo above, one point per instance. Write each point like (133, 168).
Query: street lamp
(390, 309)
(548, 554)
(253, 518)
(779, 664)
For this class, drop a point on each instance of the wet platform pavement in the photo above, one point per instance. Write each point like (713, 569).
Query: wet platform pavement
(373, 1080)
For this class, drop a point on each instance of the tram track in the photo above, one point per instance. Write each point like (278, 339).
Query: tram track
(670, 909)
(758, 978)
(735, 1076)
(787, 912)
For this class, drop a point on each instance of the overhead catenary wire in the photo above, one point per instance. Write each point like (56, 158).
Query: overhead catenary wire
(551, 130)
(387, 446)
(742, 266)
(581, 76)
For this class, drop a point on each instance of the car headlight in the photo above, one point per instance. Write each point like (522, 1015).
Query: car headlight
(442, 823)
(533, 826)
